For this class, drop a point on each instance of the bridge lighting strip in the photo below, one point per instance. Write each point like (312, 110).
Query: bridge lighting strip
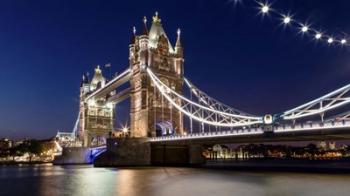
(303, 28)
(188, 137)
(195, 90)
(99, 147)
(156, 81)
(316, 101)
(159, 84)
(74, 133)
(312, 128)
(127, 71)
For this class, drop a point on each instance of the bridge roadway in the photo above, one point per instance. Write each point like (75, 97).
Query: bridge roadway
(111, 85)
(119, 97)
(299, 132)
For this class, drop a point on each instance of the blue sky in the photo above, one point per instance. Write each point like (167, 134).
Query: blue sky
(232, 53)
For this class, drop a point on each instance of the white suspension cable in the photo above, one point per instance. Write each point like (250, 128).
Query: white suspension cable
(211, 102)
(328, 102)
(168, 89)
(225, 119)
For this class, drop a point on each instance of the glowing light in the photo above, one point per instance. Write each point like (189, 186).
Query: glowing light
(268, 119)
(207, 135)
(265, 9)
(109, 105)
(286, 20)
(125, 129)
(304, 29)
(143, 66)
(318, 36)
(330, 40)
(92, 102)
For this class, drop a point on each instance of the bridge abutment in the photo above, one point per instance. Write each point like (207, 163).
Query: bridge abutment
(140, 152)
(74, 155)
(125, 152)
(174, 155)
(196, 155)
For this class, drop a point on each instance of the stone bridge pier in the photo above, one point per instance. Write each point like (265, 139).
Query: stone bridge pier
(140, 152)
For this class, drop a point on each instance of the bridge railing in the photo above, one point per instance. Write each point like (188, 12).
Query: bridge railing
(313, 126)
(202, 135)
(257, 130)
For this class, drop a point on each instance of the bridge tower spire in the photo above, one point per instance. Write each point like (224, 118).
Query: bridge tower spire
(178, 45)
(148, 110)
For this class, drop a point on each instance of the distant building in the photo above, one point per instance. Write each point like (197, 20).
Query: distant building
(332, 145)
(5, 143)
(322, 145)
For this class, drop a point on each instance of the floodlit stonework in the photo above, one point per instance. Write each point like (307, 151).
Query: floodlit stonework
(148, 109)
(153, 49)
(96, 116)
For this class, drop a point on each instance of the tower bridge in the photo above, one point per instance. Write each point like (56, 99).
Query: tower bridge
(168, 112)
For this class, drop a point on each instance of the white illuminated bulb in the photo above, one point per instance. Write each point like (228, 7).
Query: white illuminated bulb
(265, 9)
(343, 41)
(125, 129)
(330, 40)
(286, 20)
(304, 29)
(318, 36)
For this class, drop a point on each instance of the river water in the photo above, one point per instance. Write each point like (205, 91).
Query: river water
(165, 181)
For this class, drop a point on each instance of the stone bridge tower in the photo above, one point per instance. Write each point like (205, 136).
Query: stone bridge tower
(96, 115)
(149, 111)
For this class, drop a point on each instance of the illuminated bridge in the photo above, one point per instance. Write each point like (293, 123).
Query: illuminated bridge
(166, 108)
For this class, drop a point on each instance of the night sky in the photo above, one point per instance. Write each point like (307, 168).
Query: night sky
(231, 52)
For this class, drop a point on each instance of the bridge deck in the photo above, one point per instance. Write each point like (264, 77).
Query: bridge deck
(300, 132)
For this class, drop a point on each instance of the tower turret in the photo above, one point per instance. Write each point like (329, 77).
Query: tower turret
(84, 84)
(178, 45)
(133, 36)
(98, 80)
(143, 44)
(144, 29)
(156, 32)
(84, 80)
(132, 48)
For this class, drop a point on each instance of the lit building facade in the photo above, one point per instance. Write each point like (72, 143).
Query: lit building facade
(150, 114)
(96, 116)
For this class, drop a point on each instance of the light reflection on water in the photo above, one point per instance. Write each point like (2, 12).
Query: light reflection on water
(86, 180)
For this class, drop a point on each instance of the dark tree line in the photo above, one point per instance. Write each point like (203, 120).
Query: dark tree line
(263, 149)
(32, 147)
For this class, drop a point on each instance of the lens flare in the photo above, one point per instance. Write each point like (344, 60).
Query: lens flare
(286, 20)
(265, 9)
(304, 29)
(330, 40)
(318, 36)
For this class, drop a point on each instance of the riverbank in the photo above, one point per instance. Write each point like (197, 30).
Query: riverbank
(23, 162)
(337, 166)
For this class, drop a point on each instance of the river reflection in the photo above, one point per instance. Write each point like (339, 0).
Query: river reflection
(86, 180)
